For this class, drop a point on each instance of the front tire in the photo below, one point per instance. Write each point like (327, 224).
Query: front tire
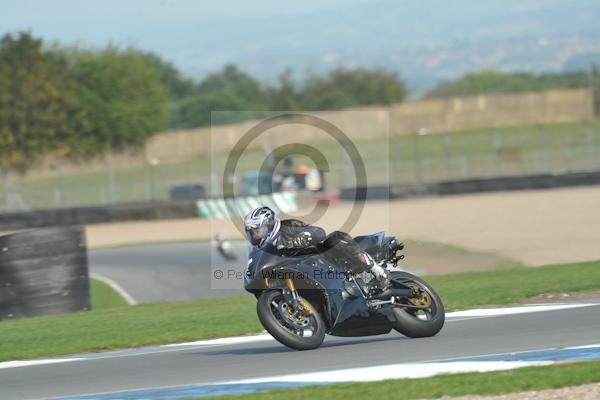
(304, 334)
(419, 323)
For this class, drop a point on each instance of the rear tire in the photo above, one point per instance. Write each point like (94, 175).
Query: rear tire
(409, 322)
(275, 324)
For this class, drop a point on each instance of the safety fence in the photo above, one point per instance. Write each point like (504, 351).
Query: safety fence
(224, 208)
(479, 185)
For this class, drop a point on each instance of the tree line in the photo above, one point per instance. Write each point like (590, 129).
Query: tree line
(231, 89)
(490, 81)
(74, 103)
(78, 103)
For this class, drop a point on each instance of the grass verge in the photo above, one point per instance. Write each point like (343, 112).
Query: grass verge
(513, 285)
(103, 296)
(129, 326)
(147, 324)
(489, 383)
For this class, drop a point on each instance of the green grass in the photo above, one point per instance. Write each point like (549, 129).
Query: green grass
(103, 296)
(146, 324)
(129, 326)
(489, 383)
(513, 285)
(398, 159)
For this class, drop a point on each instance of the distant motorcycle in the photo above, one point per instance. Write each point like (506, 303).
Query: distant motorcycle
(224, 248)
(302, 298)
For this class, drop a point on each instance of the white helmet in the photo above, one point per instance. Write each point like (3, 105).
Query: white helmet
(261, 225)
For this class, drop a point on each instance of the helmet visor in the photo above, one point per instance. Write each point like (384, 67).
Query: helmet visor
(257, 235)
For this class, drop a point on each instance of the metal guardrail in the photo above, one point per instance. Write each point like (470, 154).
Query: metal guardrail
(521, 182)
(218, 208)
(284, 202)
(97, 214)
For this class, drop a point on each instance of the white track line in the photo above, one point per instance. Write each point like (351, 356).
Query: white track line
(589, 346)
(494, 312)
(29, 363)
(262, 337)
(116, 287)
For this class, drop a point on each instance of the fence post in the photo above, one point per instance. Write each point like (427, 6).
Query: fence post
(348, 168)
(498, 149)
(215, 190)
(111, 178)
(542, 151)
(12, 198)
(590, 145)
(154, 162)
(448, 156)
(395, 159)
(162, 181)
(417, 148)
(59, 189)
(5, 189)
(464, 167)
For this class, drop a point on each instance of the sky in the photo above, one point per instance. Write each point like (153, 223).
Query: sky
(97, 22)
(423, 40)
(184, 32)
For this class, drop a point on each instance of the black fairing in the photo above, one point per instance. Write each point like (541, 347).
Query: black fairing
(321, 282)
(377, 245)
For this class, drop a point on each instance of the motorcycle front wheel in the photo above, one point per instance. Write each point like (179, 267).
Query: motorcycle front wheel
(299, 329)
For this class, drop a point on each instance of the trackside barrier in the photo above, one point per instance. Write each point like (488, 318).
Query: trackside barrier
(521, 182)
(283, 202)
(237, 207)
(43, 272)
(97, 214)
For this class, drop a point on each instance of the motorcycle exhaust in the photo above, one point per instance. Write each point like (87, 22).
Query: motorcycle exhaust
(386, 294)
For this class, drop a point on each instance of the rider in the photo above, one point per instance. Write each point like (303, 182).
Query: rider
(292, 236)
(224, 247)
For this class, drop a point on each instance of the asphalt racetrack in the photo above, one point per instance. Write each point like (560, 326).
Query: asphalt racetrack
(464, 335)
(168, 272)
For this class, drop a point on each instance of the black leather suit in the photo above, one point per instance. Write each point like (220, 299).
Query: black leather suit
(295, 238)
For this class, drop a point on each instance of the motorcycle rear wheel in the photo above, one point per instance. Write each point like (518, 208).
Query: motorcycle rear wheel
(284, 328)
(417, 323)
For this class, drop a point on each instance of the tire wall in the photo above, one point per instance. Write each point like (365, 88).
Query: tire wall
(97, 215)
(43, 272)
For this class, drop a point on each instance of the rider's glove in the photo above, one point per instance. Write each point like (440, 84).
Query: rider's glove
(304, 239)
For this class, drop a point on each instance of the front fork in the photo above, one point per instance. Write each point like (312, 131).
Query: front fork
(290, 294)
(291, 290)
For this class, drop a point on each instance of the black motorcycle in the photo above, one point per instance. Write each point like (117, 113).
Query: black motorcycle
(301, 298)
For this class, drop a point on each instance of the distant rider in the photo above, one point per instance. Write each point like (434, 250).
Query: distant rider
(224, 247)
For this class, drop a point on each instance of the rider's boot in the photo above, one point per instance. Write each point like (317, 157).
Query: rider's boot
(381, 274)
